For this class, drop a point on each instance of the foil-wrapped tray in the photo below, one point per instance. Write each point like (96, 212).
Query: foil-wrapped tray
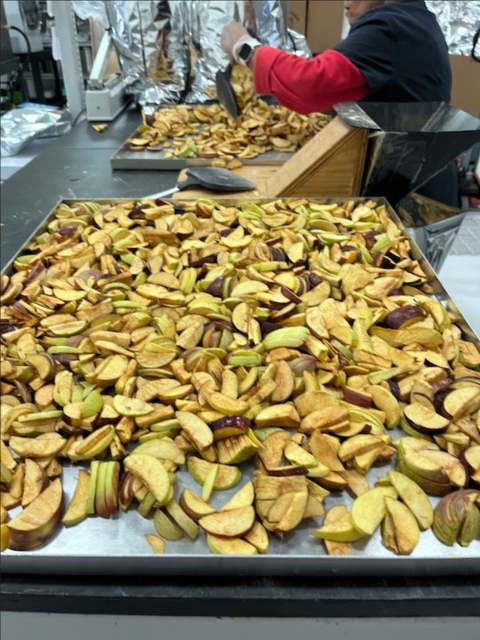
(118, 546)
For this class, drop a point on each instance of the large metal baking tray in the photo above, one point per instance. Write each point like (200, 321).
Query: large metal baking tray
(118, 546)
(124, 158)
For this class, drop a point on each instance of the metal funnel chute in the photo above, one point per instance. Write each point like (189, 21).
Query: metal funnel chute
(410, 143)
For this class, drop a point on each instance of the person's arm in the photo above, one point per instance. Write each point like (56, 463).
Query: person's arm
(307, 85)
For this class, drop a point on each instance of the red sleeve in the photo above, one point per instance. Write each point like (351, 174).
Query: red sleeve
(308, 85)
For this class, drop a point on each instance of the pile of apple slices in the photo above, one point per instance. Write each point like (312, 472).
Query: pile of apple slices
(144, 338)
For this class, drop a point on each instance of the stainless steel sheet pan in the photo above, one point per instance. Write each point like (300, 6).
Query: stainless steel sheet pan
(126, 159)
(118, 546)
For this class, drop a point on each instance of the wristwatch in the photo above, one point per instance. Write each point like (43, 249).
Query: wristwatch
(246, 51)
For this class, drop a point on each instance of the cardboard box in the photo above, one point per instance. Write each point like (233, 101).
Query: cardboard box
(324, 24)
(466, 83)
(297, 16)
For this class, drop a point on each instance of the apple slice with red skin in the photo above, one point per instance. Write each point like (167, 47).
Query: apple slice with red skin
(471, 459)
(229, 524)
(39, 521)
(359, 398)
(230, 426)
(194, 506)
(425, 420)
(404, 317)
(461, 402)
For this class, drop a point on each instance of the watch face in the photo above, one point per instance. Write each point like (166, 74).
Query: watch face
(245, 52)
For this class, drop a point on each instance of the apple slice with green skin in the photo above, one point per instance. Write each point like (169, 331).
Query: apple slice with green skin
(339, 529)
(182, 519)
(471, 458)
(36, 481)
(230, 546)
(385, 401)
(3, 514)
(400, 531)
(336, 548)
(424, 419)
(77, 510)
(165, 526)
(454, 469)
(457, 518)
(162, 449)
(151, 473)
(209, 482)
(194, 506)
(92, 404)
(39, 521)
(196, 429)
(92, 489)
(297, 455)
(146, 505)
(6, 475)
(414, 497)
(229, 524)
(235, 450)
(223, 404)
(369, 509)
(156, 543)
(243, 498)
(44, 365)
(94, 444)
(227, 477)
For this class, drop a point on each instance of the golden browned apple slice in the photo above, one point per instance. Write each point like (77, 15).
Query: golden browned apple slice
(285, 383)
(324, 418)
(93, 445)
(5, 538)
(336, 548)
(314, 509)
(258, 537)
(131, 407)
(332, 481)
(339, 528)
(243, 498)
(151, 473)
(39, 521)
(77, 510)
(182, 519)
(462, 402)
(166, 527)
(15, 480)
(311, 401)
(197, 430)
(414, 497)
(36, 481)
(223, 404)
(294, 513)
(401, 533)
(358, 445)
(454, 469)
(273, 447)
(47, 445)
(229, 524)
(163, 449)
(279, 415)
(156, 543)
(356, 481)
(297, 455)
(194, 506)
(321, 448)
(3, 514)
(230, 546)
(385, 401)
(369, 509)
(270, 488)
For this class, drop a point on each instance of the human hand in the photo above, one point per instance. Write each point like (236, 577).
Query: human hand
(233, 36)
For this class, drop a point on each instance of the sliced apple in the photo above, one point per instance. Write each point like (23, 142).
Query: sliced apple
(258, 537)
(92, 489)
(182, 519)
(356, 481)
(163, 449)
(336, 548)
(425, 419)
(294, 513)
(230, 546)
(462, 402)
(311, 401)
(194, 506)
(39, 521)
(278, 415)
(414, 497)
(338, 528)
(77, 510)
(166, 527)
(131, 407)
(151, 473)
(36, 481)
(227, 477)
(243, 498)
(94, 444)
(47, 445)
(156, 543)
(197, 430)
(369, 509)
(385, 401)
(230, 426)
(401, 532)
(229, 524)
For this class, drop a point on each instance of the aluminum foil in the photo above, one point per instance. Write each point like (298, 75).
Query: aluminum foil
(20, 126)
(459, 20)
(94, 9)
(208, 18)
(150, 39)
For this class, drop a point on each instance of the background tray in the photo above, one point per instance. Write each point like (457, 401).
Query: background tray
(118, 546)
(124, 158)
